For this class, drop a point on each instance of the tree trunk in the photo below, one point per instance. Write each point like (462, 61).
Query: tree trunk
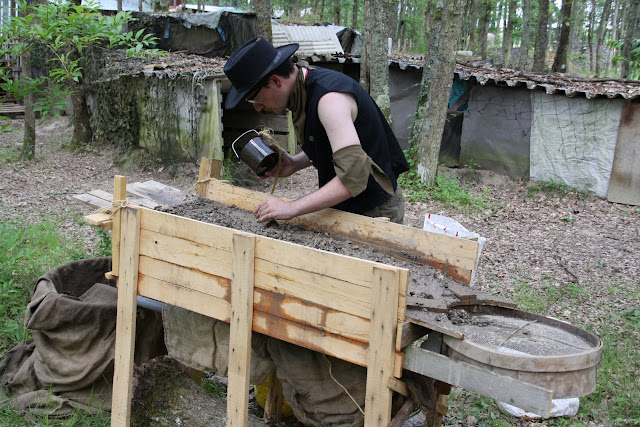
(540, 51)
(392, 19)
(507, 41)
(631, 33)
(82, 133)
(119, 5)
(437, 77)
(484, 29)
(614, 36)
(523, 61)
(354, 19)
(264, 12)
(560, 60)
(601, 32)
(336, 12)
(29, 138)
(374, 62)
(576, 23)
(592, 15)
(428, 16)
(473, 25)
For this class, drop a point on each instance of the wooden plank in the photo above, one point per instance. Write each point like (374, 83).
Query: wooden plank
(108, 197)
(125, 318)
(184, 297)
(101, 194)
(93, 201)
(315, 339)
(317, 316)
(438, 322)
(455, 256)
(381, 355)
(313, 287)
(505, 389)
(298, 271)
(120, 198)
(408, 333)
(463, 293)
(431, 304)
(240, 329)
(624, 183)
(210, 284)
(192, 255)
(101, 220)
(274, 400)
(398, 386)
(167, 196)
(188, 229)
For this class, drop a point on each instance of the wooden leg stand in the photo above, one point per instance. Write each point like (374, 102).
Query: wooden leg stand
(404, 413)
(274, 400)
(439, 410)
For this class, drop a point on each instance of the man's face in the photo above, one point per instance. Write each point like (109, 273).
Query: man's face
(270, 98)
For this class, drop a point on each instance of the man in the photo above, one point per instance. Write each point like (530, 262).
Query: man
(341, 130)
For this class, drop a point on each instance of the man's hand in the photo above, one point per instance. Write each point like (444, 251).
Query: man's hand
(288, 165)
(274, 209)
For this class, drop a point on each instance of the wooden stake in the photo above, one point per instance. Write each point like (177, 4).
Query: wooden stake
(126, 318)
(381, 356)
(209, 168)
(243, 270)
(274, 400)
(119, 197)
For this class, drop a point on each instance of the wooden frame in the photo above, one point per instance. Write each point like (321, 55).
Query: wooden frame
(329, 303)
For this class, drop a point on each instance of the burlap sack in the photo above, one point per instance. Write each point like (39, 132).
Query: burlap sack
(68, 363)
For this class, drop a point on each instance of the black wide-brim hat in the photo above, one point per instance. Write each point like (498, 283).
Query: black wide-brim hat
(253, 61)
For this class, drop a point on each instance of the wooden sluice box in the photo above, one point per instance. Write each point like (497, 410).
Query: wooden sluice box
(359, 311)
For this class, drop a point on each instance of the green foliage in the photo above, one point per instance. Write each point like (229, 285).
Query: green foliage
(446, 188)
(214, 388)
(554, 189)
(617, 392)
(63, 31)
(633, 60)
(9, 155)
(29, 250)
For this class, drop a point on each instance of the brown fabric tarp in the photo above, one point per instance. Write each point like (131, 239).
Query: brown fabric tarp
(68, 362)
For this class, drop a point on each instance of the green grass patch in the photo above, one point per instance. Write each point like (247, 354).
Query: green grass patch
(28, 251)
(555, 189)
(446, 189)
(615, 400)
(9, 155)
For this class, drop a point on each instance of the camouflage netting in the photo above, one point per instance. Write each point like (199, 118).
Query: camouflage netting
(133, 97)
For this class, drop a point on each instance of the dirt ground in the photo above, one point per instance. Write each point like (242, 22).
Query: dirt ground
(536, 243)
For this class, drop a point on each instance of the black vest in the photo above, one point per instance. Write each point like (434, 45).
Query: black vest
(375, 134)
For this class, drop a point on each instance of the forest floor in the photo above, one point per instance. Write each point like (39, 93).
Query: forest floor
(553, 250)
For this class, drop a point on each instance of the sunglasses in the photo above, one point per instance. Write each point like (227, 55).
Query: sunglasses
(251, 99)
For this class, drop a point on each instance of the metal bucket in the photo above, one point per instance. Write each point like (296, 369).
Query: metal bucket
(255, 152)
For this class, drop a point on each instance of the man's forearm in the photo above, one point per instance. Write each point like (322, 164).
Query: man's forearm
(327, 196)
(300, 161)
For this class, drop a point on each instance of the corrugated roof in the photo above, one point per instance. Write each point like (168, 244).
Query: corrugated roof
(567, 84)
(313, 40)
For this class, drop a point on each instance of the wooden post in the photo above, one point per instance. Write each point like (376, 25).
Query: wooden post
(209, 168)
(126, 317)
(242, 280)
(119, 197)
(382, 338)
(274, 400)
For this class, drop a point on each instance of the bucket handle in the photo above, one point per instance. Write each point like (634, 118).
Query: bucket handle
(236, 140)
